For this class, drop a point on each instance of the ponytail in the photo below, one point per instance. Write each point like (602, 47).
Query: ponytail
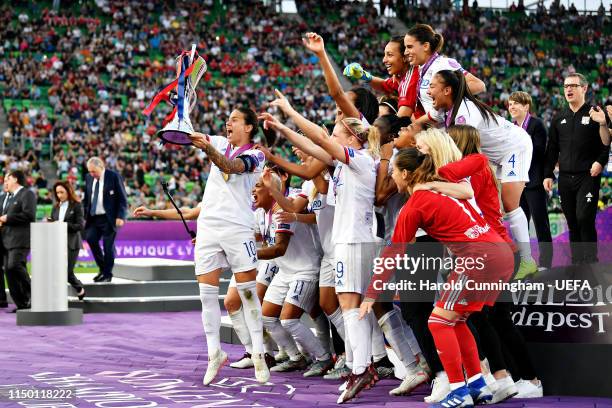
(460, 91)
(424, 33)
(420, 166)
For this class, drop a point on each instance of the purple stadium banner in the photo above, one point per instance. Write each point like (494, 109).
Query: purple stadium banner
(150, 239)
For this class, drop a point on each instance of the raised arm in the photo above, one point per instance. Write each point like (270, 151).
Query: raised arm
(306, 171)
(281, 242)
(170, 214)
(385, 186)
(234, 166)
(461, 190)
(314, 42)
(475, 84)
(293, 205)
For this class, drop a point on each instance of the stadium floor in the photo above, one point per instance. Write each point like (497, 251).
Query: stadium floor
(158, 359)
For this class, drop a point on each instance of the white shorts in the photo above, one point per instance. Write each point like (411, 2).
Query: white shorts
(327, 273)
(291, 289)
(216, 249)
(266, 270)
(354, 266)
(515, 165)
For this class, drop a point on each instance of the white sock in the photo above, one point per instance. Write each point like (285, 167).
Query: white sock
(281, 337)
(391, 325)
(302, 335)
(252, 313)
(520, 231)
(268, 343)
(337, 320)
(211, 316)
(241, 329)
(412, 340)
(360, 333)
(379, 351)
(322, 328)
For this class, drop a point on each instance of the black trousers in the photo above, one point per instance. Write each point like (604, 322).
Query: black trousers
(533, 203)
(579, 195)
(416, 312)
(100, 228)
(73, 254)
(17, 276)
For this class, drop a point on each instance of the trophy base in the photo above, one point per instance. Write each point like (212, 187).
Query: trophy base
(174, 136)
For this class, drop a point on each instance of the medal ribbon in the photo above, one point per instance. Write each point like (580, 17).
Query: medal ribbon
(425, 68)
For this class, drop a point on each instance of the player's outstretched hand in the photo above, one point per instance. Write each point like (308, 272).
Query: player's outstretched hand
(269, 121)
(354, 70)
(267, 153)
(314, 42)
(142, 211)
(281, 102)
(199, 140)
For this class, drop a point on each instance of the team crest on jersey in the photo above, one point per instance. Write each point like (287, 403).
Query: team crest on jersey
(260, 156)
(460, 120)
(453, 63)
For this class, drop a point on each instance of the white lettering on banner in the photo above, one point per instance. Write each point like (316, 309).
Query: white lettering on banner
(551, 321)
(157, 249)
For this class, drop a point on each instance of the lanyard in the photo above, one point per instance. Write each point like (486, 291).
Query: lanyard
(449, 115)
(237, 152)
(525, 122)
(423, 70)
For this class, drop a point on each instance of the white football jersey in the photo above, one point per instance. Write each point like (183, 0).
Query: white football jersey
(229, 202)
(352, 190)
(496, 139)
(302, 258)
(440, 63)
(391, 209)
(317, 203)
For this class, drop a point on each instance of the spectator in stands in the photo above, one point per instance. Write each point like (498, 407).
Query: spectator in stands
(575, 142)
(4, 199)
(105, 206)
(534, 198)
(68, 209)
(19, 212)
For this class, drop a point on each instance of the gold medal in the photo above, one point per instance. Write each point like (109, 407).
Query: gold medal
(225, 176)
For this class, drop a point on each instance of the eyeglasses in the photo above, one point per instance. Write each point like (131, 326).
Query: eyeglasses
(568, 86)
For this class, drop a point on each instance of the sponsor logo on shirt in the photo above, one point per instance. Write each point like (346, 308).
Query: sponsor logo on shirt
(460, 120)
(563, 121)
(477, 231)
(512, 173)
(350, 151)
(586, 120)
(284, 226)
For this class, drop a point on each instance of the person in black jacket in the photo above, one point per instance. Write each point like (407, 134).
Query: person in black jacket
(4, 196)
(68, 209)
(575, 141)
(534, 198)
(105, 206)
(17, 215)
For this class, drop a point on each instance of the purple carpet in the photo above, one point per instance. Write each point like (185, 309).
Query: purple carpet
(158, 360)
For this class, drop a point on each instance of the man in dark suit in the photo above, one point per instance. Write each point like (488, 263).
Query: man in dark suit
(17, 215)
(105, 206)
(4, 196)
(534, 199)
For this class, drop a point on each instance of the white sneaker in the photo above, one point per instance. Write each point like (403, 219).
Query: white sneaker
(527, 389)
(491, 382)
(244, 362)
(215, 362)
(262, 373)
(342, 386)
(505, 389)
(410, 382)
(281, 357)
(440, 388)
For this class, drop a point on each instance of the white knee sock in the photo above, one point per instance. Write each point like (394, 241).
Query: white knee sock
(379, 351)
(302, 335)
(412, 340)
(323, 334)
(252, 313)
(392, 327)
(268, 342)
(360, 334)
(241, 329)
(520, 231)
(211, 316)
(337, 320)
(281, 336)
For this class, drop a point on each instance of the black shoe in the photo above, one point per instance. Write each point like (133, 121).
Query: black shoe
(98, 277)
(81, 294)
(105, 279)
(12, 311)
(270, 361)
